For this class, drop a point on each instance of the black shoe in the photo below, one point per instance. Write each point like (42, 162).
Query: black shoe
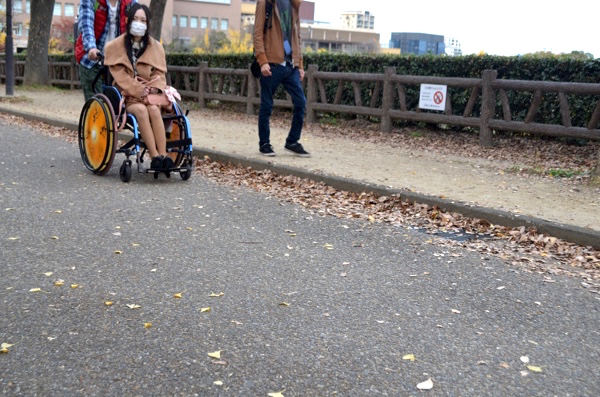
(168, 163)
(297, 149)
(157, 163)
(267, 150)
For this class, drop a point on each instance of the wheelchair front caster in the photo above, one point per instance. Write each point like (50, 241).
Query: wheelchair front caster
(187, 173)
(125, 171)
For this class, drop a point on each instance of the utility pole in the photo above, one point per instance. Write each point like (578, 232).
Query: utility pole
(8, 50)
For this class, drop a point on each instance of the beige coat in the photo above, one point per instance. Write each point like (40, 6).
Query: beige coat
(268, 47)
(151, 65)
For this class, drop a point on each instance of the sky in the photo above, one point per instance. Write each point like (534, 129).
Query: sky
(508, 27)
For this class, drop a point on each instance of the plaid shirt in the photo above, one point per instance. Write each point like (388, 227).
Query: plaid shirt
(86, 16)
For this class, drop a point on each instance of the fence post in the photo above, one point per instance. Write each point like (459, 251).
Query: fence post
(387, 100)
(488, 107)
(251, 93)
(72, 67)
(202, 84)
(311, 93)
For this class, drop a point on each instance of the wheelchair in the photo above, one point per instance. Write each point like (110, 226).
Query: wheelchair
(102, 118)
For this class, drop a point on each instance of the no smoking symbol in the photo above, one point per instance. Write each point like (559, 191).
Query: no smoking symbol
(438, 97)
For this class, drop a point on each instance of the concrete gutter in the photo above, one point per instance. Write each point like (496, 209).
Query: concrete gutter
(573, 234)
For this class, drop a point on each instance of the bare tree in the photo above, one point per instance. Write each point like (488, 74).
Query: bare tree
(157, 11)
(36, 63)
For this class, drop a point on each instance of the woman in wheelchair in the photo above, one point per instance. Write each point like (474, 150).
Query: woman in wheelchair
(138, 66)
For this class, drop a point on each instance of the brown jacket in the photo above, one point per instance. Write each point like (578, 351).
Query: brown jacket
(152, 64)
(268, 47)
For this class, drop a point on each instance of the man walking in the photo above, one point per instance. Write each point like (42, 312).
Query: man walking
(99, 22)
(277, 49)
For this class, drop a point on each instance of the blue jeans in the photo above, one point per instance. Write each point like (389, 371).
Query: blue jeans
(290, 78)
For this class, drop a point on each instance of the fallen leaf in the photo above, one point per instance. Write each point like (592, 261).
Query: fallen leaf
(237, 322)
(118, 252)
(218, 383)
(328, 246)
(213, 295)
(133, 306)
(10, 209)
(58, 211)
(525, 359)
(147, 325)
(455, 311)
(284, 304)
(216, 354)
(533, 368)
(177, 295)
(35, 290)
(278, 394)
(13, 238)
(189, 228)
(4, 347)
(59, 283)
(371, 219)
(74, 286)
(108, 303)
(409, 357)
(505, 365)
(426, 385)
(54, 238)
(205, 310)
(48, 274)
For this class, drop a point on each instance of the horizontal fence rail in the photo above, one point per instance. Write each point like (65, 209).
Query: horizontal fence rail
(485, 103)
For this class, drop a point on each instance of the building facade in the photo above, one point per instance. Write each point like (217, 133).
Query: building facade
(418, 43)
(358, 20)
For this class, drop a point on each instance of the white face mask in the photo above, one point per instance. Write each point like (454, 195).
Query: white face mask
(137, 29)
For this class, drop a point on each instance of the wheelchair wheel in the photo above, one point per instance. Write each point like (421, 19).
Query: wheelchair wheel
(185, 175)
(125, 171)
(175, 135)
(97, 137)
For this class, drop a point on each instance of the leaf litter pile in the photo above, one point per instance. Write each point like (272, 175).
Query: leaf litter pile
(523, 247)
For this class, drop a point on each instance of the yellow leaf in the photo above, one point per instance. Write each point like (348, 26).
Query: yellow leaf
(216, 354)
(118, 252)
(177, 295)
(205, 310)
(213, 295)
(533, 368)
(58, 211)
(426, 385)
(218, 383)
(48, 274)
(59, 283)
(4, 347)
(135, 245)
(108, 303)
(284, 304)
(505, 365)
(328, 246)
(74, 286)
(410, 357)
(54, 237)
(371, 219)
(278, 394)
(13, 238)
(147, 325)
(189, 228)
(10, 209)
(35, 290)
(133, 306)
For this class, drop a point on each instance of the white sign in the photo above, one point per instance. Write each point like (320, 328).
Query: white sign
(433, 97)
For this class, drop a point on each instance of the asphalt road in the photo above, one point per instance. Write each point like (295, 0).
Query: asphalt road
(310, 305)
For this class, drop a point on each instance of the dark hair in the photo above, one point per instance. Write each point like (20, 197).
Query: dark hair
(128, 36)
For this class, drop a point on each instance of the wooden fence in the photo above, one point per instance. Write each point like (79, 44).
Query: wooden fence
(387, 96)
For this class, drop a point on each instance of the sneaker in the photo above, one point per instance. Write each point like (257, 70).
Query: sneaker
(267, 150)
(297, 149)
(168, 163)
(157, 163)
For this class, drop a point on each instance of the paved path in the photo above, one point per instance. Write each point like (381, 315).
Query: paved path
(475, 187)
(310, 306)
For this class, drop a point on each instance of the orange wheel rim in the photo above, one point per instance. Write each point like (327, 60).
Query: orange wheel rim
(97, 139)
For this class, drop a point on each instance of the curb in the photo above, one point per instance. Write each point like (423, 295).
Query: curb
(570, 233)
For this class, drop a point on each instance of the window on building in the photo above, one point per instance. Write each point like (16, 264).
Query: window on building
(224, 24)
(57, 9)
(17, 7)
(174, 23)
(69, 10)
(28, 6)
(183, 21)
(203, 23)
(18, 29)
(214, 23)
(194, 22)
